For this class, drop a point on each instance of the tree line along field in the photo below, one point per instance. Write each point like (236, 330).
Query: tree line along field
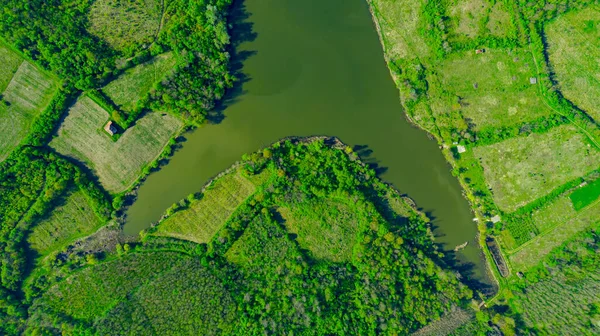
(117, 163)
(519, 129)
(25, 92)
(251, 274)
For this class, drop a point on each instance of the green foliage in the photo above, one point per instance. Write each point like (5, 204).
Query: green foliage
(54, 34)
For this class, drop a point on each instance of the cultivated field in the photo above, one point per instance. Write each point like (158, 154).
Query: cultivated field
(116, 163)
(10, 64)
(522, 169)
(27, 94)
(67, 222)
(490, 89)
(125, 24)
(136, 82)
(565, 226)
(574, 52)
(204, 217)
(586, 195)
(328, 228)
(470, 19)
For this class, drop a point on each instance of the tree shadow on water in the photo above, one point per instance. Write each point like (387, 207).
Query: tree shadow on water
(241, 31)
(366, 156)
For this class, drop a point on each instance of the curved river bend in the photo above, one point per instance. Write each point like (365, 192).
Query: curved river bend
(315, 67)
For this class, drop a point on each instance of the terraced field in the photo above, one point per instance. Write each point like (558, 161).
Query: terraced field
(203, 218)
(26, 95)
(118, 163)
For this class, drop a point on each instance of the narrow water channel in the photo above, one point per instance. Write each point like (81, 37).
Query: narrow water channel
(315, 67)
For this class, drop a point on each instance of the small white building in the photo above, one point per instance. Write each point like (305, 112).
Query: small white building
(496, 219)
(461, 149)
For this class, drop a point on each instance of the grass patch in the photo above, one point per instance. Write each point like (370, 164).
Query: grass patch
(10, 64)
(27, 94)
(73, 219)
(327, 228)
(135, 83)
(125, 24)
(574, 52)
(586, 195)
(204, 217)
(399, 23)
(522, 169)
(532, 253)
(490, 89)
(117, 163)
(499, 21)
(468, 17)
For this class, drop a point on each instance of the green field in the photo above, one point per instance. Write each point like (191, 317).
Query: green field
(204, 217)
(586, 195)
(566, 223)
(119, 163)
(27, 94)
(489, 90)
(470, 19)
(327, 228)
(10, 64)
(135, 83)
(574, 52)
(125, 24)
(73, 219)
(522, 169)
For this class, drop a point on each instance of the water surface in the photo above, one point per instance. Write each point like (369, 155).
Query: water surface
(315, 67)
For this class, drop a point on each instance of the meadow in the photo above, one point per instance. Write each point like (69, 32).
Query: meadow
(574, 51)
(523, 169)
(73, 219)
(10, 64)
(202, 218)
(489, 90)
(26, 95)
(118, 163)
(135, 83)
(125, 25)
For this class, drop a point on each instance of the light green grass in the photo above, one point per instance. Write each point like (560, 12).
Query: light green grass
(574, 52)
(135, 83)
(27, 94)
(204, 217)
(586, 195)
(67, 222)
(523, 169)
(117, 164)
(125, 23)
(467, 16)
(503, 97)
(399, 22)
(330, 234)
(10, 64)
(500, 23)
(534, 251)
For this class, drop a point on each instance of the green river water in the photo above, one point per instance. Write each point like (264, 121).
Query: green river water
(315, 67)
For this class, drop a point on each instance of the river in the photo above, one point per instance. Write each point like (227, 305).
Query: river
(315, 67)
